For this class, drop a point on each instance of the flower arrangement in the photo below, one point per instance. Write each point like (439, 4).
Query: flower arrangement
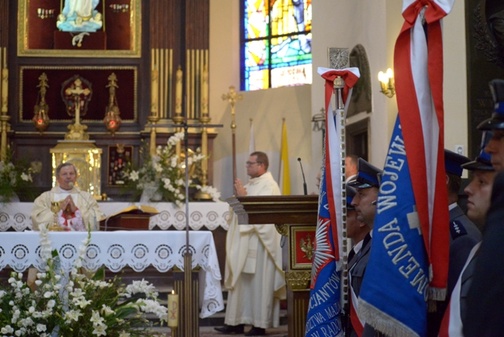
(75, 304)
(14, 178)
(164, 173)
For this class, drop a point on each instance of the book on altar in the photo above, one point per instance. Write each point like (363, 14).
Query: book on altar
(134, 217)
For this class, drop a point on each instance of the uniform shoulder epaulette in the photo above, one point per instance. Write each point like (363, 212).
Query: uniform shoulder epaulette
(457, 229)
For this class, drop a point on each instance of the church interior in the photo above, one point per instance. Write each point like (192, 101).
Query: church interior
(165, 36)
(154, 68)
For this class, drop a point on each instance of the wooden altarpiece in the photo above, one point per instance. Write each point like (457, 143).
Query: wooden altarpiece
(295, 216)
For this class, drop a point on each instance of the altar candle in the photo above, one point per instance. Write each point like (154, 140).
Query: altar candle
(154, 92)
(173, 303)
(178, 91)
(204, 92)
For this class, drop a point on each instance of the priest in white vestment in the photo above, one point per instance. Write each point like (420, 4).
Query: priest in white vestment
(254, 276)
(78, 210)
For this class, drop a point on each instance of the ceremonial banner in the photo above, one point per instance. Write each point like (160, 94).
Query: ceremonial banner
(401, 274)
(394, 291)
(418, 68)
(284, 163)
(324, 309)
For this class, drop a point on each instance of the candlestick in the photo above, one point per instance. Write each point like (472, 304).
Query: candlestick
(178, 91)
(154, 92)
(173, 303)
(204, 92)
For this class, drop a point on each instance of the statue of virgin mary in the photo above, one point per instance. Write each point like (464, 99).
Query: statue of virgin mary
(80, 16)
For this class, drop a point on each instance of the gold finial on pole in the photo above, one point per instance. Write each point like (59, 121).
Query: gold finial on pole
(232, 97)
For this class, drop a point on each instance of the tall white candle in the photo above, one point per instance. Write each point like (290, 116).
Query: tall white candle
(173, 307)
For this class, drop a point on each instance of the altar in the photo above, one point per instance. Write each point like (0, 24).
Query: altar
(210, 215)
(117, 250)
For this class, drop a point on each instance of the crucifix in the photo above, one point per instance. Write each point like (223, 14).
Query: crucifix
(76, 96)
(75, 91)
(232, 97)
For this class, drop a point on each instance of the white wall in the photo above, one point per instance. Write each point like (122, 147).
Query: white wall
(336, 23)
(266, 107)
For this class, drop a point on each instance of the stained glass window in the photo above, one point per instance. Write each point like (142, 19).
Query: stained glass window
(275, 43)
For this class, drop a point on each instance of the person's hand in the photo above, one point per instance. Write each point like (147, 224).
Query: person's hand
(240, 190)
(67, 205)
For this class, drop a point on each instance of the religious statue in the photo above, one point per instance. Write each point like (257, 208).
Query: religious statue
(80, 16)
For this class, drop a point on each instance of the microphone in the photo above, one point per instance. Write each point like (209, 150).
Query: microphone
(304, 179)
(374, 202)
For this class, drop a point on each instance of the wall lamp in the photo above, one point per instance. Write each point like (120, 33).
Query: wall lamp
(387, 82)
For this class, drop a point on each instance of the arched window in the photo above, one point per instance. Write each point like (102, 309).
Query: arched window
(275, 43)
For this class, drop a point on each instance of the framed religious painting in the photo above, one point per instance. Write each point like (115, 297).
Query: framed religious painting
(79, 28)
(119, 160)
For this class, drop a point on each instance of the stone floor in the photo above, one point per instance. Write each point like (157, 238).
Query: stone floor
(208, 331)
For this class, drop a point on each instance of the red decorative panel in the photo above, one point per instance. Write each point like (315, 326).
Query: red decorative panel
(302, 244)
(126, 93)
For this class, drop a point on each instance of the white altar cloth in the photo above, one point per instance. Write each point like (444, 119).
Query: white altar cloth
(116, 250)
(210, 215)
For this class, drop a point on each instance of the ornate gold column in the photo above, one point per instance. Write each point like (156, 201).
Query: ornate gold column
(4, 117)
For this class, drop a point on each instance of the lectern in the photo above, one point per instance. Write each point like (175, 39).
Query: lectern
(294, 216)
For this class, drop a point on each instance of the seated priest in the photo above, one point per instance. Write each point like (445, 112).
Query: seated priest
(76, 210)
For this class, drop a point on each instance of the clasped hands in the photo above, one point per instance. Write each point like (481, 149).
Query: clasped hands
(67, 205)
(240, 190)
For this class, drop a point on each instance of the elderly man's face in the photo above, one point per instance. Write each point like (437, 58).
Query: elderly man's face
(479, 192)
(67, 177)
(365, 204)
(495, 148)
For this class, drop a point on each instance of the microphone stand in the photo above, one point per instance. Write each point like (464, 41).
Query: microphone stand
(305, 188)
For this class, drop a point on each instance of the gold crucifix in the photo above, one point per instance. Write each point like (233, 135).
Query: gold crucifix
(78, 95)
(75, 91)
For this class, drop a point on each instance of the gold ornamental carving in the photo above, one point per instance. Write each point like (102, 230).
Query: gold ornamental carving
(298, 280)
(282, 229)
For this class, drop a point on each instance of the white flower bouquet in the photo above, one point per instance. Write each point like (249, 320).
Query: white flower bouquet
(14, 178)
(75, 304)
(164, 173)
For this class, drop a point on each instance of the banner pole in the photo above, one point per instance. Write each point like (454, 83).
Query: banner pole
(340, 114)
